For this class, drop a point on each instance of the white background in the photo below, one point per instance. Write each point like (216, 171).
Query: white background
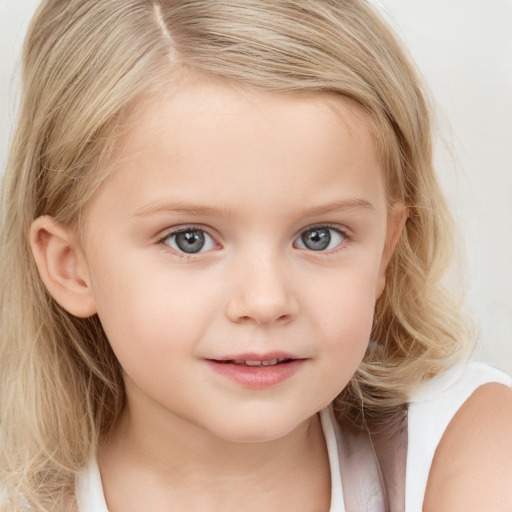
(464, 49)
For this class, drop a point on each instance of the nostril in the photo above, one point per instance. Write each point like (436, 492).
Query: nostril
(262, 306)
(264, 319)
(284, 318)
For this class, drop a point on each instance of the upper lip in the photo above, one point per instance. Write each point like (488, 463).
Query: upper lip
(253, 356)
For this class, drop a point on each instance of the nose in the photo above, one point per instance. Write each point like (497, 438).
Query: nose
(261, 293)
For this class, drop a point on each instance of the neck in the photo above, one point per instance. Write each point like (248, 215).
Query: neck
(182, 466)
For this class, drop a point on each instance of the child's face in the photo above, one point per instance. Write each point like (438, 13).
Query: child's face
(283, 238)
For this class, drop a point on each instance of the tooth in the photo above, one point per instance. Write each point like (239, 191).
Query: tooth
(239, 361)
(253, 363)
(271, 362)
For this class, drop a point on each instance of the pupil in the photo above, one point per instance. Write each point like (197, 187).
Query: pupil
(190, 241)
(317, 239)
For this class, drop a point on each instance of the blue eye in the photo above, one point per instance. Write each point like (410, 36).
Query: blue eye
(320, 239)
(189, 241)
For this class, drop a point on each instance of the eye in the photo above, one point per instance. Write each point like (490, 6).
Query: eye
(320, 238)
(189, 241)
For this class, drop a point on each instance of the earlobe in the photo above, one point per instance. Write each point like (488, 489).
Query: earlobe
(397, 217)
(59, 262)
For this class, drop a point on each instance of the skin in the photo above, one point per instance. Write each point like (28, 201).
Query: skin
(472, 466)
(254, 171)
(270, 166)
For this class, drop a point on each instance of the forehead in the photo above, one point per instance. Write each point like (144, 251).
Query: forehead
(194, 100)
(202, 135)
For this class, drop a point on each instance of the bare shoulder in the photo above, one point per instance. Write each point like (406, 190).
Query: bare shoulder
(472, 466)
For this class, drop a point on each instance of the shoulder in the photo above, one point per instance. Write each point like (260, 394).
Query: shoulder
(472, 465)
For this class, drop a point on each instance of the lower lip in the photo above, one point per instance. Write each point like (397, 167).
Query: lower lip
(257, 377)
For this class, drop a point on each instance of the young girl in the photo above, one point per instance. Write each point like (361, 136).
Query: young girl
(222, 251)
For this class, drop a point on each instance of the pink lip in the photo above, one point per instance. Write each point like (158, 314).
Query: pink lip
(257, 377)
(253, 356)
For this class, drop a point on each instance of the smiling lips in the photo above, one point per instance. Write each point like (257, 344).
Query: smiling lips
(257, 371)
(257, 362)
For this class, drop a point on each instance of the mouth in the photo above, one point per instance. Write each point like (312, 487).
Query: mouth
(255, 370)
(255, 362)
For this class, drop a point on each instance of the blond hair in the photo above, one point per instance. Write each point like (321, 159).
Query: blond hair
(85, 63)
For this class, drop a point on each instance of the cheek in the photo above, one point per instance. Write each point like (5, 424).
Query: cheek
(147, 310)
(150, 333)
(345, 301)
(345, 321)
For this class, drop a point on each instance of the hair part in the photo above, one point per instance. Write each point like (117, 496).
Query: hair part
(85, 64)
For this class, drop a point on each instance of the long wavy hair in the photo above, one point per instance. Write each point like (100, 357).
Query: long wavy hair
(85, 63)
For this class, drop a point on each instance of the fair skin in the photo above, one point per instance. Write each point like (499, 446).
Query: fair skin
(283, 201)
(472, 466)
(254, 173)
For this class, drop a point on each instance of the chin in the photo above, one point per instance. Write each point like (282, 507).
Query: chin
(260, 430)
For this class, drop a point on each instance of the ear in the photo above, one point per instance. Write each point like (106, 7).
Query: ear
(61, 266)
(397, 217)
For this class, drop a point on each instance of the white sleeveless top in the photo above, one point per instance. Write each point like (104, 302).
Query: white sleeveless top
(352, 462)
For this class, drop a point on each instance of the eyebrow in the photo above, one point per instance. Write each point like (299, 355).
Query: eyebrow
(185, 208)
(347, 204)
(212, 211)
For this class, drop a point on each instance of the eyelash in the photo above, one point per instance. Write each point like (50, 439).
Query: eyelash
(181, 229)
(342, 232)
